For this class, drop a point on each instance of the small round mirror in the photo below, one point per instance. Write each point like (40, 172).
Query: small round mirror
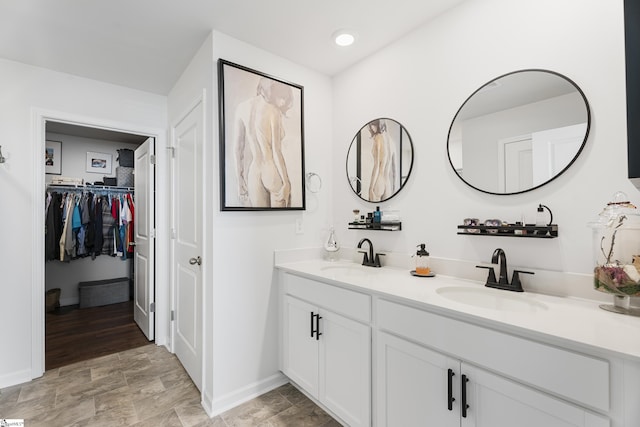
(379, 160)
(518, 132)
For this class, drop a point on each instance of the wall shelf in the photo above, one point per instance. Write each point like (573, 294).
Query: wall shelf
(511, 230)
(381, 226)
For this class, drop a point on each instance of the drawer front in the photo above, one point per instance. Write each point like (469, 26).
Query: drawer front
(343, 301)
(580, 378)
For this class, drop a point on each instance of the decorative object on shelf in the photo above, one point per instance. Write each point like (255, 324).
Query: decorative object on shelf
(511, 230)
(471, 222)
(53, 157)
(379, 160)
(616, 235)
(492, 225)
(541, 217)
(536, 114)
(99, 163)
(377, 220)
(331, 245)
(252, 105)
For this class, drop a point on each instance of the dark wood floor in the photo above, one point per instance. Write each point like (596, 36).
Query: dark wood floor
(74, 334)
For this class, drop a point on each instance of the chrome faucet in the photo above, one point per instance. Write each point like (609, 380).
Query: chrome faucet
(499, 257)
(369, 259)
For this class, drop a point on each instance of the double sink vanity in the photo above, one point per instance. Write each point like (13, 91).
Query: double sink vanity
(378, 346)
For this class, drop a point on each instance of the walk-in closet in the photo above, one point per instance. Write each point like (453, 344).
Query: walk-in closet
(90, 242)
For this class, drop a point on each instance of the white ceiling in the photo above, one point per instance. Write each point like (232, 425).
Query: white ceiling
(146, 44)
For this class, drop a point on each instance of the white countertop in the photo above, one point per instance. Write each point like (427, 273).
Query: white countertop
(574, 323)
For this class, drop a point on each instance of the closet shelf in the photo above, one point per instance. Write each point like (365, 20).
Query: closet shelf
(88, 187)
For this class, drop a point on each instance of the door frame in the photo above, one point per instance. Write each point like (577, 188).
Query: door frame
(39, 117)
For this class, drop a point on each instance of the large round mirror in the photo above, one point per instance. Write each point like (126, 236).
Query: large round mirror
(518, 132)
(379, 160)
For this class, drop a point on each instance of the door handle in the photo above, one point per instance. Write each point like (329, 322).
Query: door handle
(318, 333)
(196, 260)
(450, 398)
(315, 326)
(463, 393)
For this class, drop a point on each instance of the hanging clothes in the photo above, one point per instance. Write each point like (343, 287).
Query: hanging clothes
(53, 226)
(85, 224)
(130, 230)
(108, 223)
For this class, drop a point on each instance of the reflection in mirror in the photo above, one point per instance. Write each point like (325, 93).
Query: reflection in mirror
(379, 160)
(518, 132)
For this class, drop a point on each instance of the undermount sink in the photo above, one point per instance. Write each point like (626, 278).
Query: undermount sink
(492, 299)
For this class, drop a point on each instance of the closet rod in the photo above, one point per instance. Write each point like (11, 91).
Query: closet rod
(86, 187)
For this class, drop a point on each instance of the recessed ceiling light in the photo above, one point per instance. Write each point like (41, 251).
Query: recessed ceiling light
(344, 38)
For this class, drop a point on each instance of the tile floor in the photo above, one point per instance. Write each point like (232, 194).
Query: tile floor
(142, 387)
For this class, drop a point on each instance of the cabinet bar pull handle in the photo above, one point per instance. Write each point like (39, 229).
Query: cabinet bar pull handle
(318, 333)
(464, 405)
(450, 399)
(312, 330)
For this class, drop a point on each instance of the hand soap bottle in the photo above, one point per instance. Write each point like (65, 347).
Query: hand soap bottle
(331, 246)
(422, 261)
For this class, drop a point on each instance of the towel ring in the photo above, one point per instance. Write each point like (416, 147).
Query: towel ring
(314, 182)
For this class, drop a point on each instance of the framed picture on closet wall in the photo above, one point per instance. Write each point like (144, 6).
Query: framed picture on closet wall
(261, 141)
(99, 162)
(53, 157)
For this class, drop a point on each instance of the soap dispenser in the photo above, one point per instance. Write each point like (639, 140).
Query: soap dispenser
(422, 261)
(331, 245)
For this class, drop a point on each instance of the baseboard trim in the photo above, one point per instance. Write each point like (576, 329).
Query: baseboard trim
(69, 301)
(15, 378)
(221, 404)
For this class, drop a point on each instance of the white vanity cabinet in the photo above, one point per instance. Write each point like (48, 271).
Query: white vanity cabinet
(382, 349)
(421, 387)
(326, 346)
(418, 385)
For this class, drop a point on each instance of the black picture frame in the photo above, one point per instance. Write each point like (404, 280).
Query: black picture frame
(261, 114)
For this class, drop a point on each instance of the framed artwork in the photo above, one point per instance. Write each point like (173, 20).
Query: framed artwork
(261, 141)
(53, 157)
(99, 163)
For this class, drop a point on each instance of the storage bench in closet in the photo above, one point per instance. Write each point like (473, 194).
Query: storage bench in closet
(103, 292)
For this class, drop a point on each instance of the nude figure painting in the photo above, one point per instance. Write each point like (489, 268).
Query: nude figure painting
(261, 140)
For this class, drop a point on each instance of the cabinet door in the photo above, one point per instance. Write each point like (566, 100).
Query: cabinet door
(412, 385)
(300, 349)
(495, 401)
(345, 368)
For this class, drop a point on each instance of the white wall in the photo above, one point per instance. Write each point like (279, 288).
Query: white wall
(26, 89)
(245, 333)
(74, 155)
(452, 56)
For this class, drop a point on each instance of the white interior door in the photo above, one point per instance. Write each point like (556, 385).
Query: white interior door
(187, 242)
(554, 149)
(515, 170)
(144, 252)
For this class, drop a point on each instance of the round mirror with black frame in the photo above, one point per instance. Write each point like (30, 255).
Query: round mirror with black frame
(518, 132)
(379, 160)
